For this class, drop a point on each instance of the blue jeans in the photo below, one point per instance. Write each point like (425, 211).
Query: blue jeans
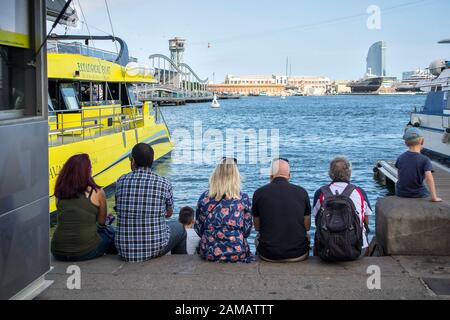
(106, 246)
(177, 240)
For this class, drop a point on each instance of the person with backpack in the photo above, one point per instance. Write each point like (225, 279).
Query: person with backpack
(341, 212)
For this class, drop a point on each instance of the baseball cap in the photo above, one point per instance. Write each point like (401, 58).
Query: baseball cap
(412, 134)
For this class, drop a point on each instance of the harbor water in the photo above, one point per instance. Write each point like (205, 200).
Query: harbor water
(312, 130)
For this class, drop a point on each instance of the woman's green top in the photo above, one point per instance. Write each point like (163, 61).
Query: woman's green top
(76, 231)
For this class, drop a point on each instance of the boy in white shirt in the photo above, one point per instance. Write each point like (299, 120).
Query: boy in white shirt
(187, 219)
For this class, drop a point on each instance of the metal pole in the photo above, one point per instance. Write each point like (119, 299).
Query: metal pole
(159, 70)
(100, 120)
(164, 78)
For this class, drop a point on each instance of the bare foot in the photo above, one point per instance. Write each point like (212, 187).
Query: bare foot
(436, 200)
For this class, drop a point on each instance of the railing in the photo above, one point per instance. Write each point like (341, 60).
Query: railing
(78, 48)
(159, 118)
(88, 123)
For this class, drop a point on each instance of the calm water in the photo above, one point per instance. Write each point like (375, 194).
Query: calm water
(312, 131)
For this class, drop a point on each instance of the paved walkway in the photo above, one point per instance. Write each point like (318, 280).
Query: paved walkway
(188, 277)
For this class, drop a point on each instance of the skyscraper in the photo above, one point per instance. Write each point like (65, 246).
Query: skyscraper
(376, 59)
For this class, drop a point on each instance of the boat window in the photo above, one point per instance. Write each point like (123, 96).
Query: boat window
(98, 91)
(92, 93)
(446, 100)
(51, 108)
(113, 92)
(132, 94)
(54, 96)
(69, 96)
(12, 84)
(85, 93)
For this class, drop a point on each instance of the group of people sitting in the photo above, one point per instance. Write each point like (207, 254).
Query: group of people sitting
(219, 228)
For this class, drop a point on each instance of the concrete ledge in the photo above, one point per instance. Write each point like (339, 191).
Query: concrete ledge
(190, 278)
(413, 227)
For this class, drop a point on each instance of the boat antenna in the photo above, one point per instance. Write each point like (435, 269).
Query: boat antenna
(61, 14)
(110, 22)
(87, 26)
(93, 44)
(287, 66)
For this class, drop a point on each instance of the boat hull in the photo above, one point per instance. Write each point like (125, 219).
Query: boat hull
(109, 154)
(369, 85)
(433, 128)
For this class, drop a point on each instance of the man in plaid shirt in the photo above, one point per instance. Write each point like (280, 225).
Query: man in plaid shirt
(143, 202)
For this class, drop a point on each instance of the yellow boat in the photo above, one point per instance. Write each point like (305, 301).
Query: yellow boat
(93, 109)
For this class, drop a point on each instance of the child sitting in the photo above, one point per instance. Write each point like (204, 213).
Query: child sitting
(186, 218)
(413, 168)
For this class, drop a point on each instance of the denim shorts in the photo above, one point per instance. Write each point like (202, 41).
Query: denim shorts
(106, 246)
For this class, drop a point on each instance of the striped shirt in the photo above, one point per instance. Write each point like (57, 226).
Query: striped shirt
(142, 201)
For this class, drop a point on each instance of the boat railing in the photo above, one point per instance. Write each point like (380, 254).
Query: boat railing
(159, 116)
(79, 48)
(418, 109)
(70, 126)
(100, 103)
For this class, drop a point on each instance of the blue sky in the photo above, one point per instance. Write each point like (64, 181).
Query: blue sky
(256, 36)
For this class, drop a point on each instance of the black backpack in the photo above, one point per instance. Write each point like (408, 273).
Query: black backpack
(338, 234)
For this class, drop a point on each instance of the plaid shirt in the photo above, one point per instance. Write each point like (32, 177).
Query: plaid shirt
(142, 201)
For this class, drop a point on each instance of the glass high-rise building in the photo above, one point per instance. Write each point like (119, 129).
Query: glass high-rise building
(376, 59)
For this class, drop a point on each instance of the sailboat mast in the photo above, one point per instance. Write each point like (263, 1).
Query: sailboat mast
(287, 66)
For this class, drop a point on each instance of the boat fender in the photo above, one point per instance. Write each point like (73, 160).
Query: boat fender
(446, 136)
(415, 121)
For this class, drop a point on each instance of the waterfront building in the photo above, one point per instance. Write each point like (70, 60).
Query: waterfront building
(376, 59)
(419, 74)
(272, 85)
(340, 87)
(310, 85)
(375, 79)
(411, 79)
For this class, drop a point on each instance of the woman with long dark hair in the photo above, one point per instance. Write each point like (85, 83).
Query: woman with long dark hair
(81, 233)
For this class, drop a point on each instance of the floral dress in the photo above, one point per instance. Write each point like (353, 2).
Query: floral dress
(224, 227)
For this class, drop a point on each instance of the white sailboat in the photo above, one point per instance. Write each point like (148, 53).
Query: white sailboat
(215, 103)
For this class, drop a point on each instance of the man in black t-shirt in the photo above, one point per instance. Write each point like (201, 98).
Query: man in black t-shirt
(282, 215)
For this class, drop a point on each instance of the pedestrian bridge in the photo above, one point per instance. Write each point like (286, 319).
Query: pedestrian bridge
(177, 81)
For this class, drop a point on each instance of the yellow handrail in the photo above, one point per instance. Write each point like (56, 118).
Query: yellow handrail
(94, 121)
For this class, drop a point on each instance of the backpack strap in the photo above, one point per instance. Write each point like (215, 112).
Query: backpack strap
(348, 190)
(326, 191)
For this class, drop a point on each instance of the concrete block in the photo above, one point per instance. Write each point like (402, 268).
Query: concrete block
(413, 227)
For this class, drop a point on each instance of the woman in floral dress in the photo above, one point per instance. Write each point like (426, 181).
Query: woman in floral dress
(223, 217)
